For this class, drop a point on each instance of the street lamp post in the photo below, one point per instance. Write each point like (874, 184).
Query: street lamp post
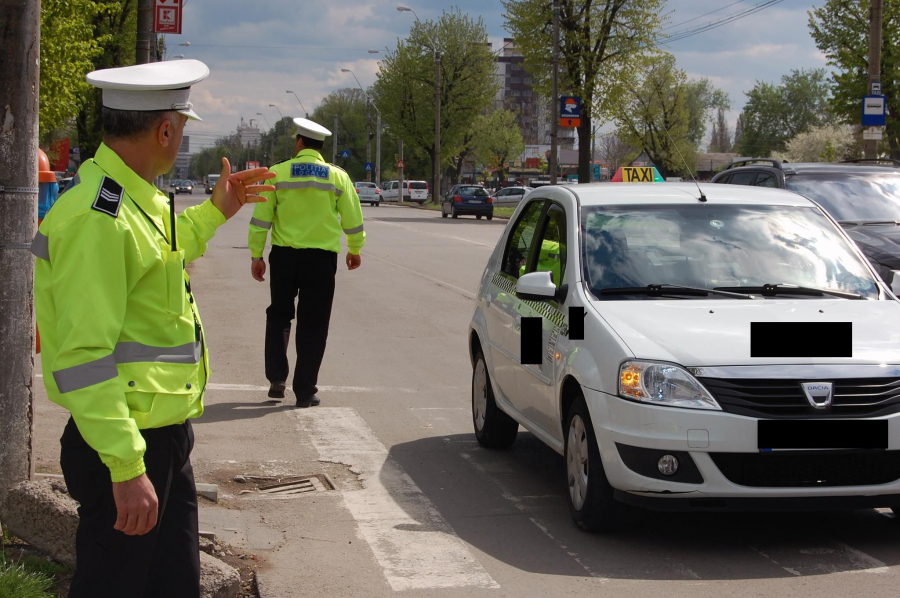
(301, 104)
(437, 110)
(368, 125)
(271, 139)
(377, 137)
(182, 44)
(287, 151)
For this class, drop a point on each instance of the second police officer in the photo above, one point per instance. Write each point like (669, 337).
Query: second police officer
(314, 202)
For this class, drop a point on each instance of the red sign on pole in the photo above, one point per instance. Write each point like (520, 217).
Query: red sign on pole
(167, 16)
(400, 164)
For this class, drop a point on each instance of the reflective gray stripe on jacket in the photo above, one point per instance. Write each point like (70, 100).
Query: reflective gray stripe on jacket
(284, 185)
(100, 370)
(354, 230)
(40, 246)
(260, 223)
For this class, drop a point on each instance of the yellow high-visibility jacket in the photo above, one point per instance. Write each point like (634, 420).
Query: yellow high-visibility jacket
(313, 202)
(122, 342)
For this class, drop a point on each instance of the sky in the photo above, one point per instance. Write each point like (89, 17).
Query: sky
(259, 49)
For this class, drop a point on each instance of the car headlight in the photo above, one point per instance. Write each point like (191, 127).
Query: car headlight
(663, 384)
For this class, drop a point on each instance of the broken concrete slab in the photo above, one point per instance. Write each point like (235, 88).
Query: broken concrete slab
(217, 579)
(210, 491)
(43, 514)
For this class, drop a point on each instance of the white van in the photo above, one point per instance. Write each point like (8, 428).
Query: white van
(413, 191)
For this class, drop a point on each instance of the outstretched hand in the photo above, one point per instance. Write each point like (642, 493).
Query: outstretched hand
(232, 191)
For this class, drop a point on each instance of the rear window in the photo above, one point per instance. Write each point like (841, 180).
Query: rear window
(479, 191)
(366, 186)
(418, 185)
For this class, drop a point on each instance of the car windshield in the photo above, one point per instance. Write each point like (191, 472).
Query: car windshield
(473, 190)
(712, 246)
(864, 197)
(418, 185)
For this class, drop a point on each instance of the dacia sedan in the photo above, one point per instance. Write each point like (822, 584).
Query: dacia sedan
(690, 348)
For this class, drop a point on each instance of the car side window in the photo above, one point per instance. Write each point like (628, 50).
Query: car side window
(520, 241)
(766, 180)
(742, 178)
(724, 180)
(552, 256)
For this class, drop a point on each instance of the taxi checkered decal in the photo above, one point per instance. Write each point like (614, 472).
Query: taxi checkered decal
(553, 314)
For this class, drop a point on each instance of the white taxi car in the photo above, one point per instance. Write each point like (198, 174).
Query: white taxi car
(733, 351)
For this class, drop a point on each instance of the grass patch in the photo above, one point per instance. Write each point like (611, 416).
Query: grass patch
(504, 212)
(499, 212)
(24, 579)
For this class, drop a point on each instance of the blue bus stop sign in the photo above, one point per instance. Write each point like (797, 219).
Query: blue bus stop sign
(874, 111)
(368, 167)
(345, 154)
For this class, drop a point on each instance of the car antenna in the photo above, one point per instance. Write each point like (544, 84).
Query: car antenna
(702, 195)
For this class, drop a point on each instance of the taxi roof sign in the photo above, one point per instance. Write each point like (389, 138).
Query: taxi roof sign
(637, 174)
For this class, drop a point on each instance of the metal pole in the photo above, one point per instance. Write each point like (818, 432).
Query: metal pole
(378, 150)
(144, 31)
(436, 192)
(875, 19)
(554, 100)
(20, 35)
(334, 139)
(368, 137)
(400, 171)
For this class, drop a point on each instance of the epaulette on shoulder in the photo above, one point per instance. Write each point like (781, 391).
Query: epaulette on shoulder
(281, 162)
(109, 197)
(338, 167)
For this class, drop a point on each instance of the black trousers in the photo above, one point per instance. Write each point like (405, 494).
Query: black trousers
(165, 562)
(306, 275)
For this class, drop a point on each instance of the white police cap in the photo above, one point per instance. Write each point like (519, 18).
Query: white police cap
(153, 86)
(310, 129)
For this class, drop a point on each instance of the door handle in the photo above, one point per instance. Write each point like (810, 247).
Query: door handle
(518, 321)
(488, 300)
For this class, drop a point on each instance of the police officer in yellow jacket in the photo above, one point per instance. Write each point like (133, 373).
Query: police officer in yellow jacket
(313, 203)
(123, 345)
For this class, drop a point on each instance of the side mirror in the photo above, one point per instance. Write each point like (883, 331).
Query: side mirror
(536, 286)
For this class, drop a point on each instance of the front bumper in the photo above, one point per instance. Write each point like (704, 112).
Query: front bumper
(700, 433)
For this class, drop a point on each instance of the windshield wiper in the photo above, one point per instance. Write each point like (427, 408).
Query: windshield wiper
(789, 289)
(673, 289)
(880, 222)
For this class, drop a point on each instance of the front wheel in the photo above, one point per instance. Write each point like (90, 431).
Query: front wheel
(453, 213)
(493, 427)
(590, 497)
(443, 213)
(490, 216)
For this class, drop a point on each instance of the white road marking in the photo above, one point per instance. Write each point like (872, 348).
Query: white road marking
(452, 287)
(412, 543)
(541, 526)
(863, 562)
(764, 555)
(511, 497)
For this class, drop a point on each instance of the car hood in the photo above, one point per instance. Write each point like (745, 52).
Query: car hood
(880, 243)
(711, 332)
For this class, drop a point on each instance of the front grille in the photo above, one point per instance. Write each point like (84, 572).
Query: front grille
(784, 398)
(819, 469)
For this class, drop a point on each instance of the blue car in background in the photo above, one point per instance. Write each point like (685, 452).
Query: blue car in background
(468, 200)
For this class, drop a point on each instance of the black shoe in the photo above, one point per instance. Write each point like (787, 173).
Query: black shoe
(276, 390)
(310, 402)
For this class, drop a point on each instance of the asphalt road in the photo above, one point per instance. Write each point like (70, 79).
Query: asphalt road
(418, 507)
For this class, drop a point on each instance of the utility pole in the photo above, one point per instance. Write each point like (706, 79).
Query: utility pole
(334, 138)
(19, 70)
(436, 192)
(378, 148)
(875, 19)
(368, 137)
(144, 31)
(554, 101)
(400, 173)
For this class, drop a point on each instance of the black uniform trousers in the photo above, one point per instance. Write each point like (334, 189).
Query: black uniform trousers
(165, 562)
(306, 275)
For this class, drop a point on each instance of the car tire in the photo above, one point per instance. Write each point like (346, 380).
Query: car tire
(490, 216)
(493, 427)
(453, 213)
(590, 497)
(478, 217)
(443, 213)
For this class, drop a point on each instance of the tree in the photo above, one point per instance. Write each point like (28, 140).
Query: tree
(614, 151)
(828, 143)
(601, 44)
(841, 30)
(775, 113)
(68, 46)
(702, 99)
(497, 139)
(720, 141)
(657, 116)
(404, 90)
(115, 28)
(738, 133)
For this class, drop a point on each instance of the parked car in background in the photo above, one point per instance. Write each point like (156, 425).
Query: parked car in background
(389, 191)
(182, 186)
(368, 193)
(510, 196)
(463, 200)
(862, 195)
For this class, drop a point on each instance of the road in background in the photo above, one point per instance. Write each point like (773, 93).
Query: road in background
(419, 507)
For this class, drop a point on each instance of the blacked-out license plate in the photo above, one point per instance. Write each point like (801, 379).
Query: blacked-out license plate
(475, 201)
(822, 434)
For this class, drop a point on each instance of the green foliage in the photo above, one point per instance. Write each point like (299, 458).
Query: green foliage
(404, 91)
(602, 44)
(703, 100)
(776, 113)
(68, 46)
(20, 580)
(659, 103)
(497, 140)
(115, 29)
(841, 30)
